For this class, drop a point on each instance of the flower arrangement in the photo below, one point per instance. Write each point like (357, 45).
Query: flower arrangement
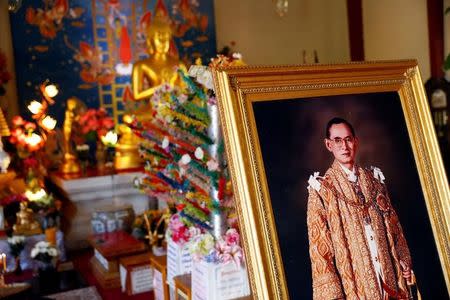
(44, 252)
(95, 123)
(178, 231)
(224, 250)
(16, 245)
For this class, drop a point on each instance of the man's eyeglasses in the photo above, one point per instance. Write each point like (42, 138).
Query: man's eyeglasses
(339, 141)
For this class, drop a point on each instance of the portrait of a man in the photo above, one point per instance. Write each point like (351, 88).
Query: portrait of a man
(356, 243)
(334, 188)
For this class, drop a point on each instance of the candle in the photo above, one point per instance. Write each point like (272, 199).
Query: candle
(4, 261)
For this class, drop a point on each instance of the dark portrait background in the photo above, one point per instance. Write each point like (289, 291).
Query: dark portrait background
(291, 134)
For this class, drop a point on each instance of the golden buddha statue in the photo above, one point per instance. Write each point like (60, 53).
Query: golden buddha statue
(74, 107)
(25, 222)
(160, 67)
(147, 75)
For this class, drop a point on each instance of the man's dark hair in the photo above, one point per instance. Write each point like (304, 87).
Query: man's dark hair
(336, 121)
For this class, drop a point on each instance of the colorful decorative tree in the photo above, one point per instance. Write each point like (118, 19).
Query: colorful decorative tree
(184, 154)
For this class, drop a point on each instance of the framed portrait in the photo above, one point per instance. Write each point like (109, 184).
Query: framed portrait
(338, 180)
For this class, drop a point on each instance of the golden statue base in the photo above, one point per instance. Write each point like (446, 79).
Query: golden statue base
(27, 232)
(70, 166)
(127, 157)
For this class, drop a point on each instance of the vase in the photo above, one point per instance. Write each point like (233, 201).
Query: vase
(100, 157)
(17, 268)
(48, 278)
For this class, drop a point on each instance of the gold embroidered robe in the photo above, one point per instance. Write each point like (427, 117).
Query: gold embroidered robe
(339, 252)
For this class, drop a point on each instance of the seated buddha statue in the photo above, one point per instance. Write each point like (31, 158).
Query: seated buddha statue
(25, 222)
(161, 65)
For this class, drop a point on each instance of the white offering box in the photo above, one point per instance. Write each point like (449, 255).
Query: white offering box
(219, 281)
(179, 260)
(136, 274)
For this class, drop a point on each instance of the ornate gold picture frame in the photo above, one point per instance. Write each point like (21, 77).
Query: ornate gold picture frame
(274, 120)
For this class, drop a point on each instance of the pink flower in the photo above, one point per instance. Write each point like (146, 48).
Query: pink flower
(181, 235)
(232, 237)
(223, 251)
(236, 254)
(175, 223)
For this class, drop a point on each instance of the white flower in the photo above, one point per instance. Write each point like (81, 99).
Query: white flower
(165, 142)
(52, 252)
(378, 174)
(206, 79)
(203, 76)
(44, 248)
(17, 239)
(34, 252)
(194, 70)
(212, 165)
(185, 159)
(42, 245)
(194, 231)
(199, 153)
(313, 182)
(237, 55)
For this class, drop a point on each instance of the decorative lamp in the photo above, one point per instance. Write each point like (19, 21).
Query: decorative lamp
(4, 129)
(51, 90)
(35, 107)
(48, 123)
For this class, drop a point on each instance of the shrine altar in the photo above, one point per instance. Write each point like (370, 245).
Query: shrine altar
(87, 195)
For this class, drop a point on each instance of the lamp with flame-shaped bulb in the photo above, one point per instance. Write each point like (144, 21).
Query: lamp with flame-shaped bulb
(36, 140)
(51, 90)
(48, 123)
(35, 107)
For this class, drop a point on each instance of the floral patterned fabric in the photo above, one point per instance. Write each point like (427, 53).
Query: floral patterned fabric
(339, 251)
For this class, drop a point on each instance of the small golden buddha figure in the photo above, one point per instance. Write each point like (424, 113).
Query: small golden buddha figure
(160, 67)
(74, 107)
(127, 155)
(25, 222)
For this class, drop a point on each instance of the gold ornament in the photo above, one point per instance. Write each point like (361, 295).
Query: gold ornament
(127, 155)
(4, 129)
(25, 223)
(70, 164)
